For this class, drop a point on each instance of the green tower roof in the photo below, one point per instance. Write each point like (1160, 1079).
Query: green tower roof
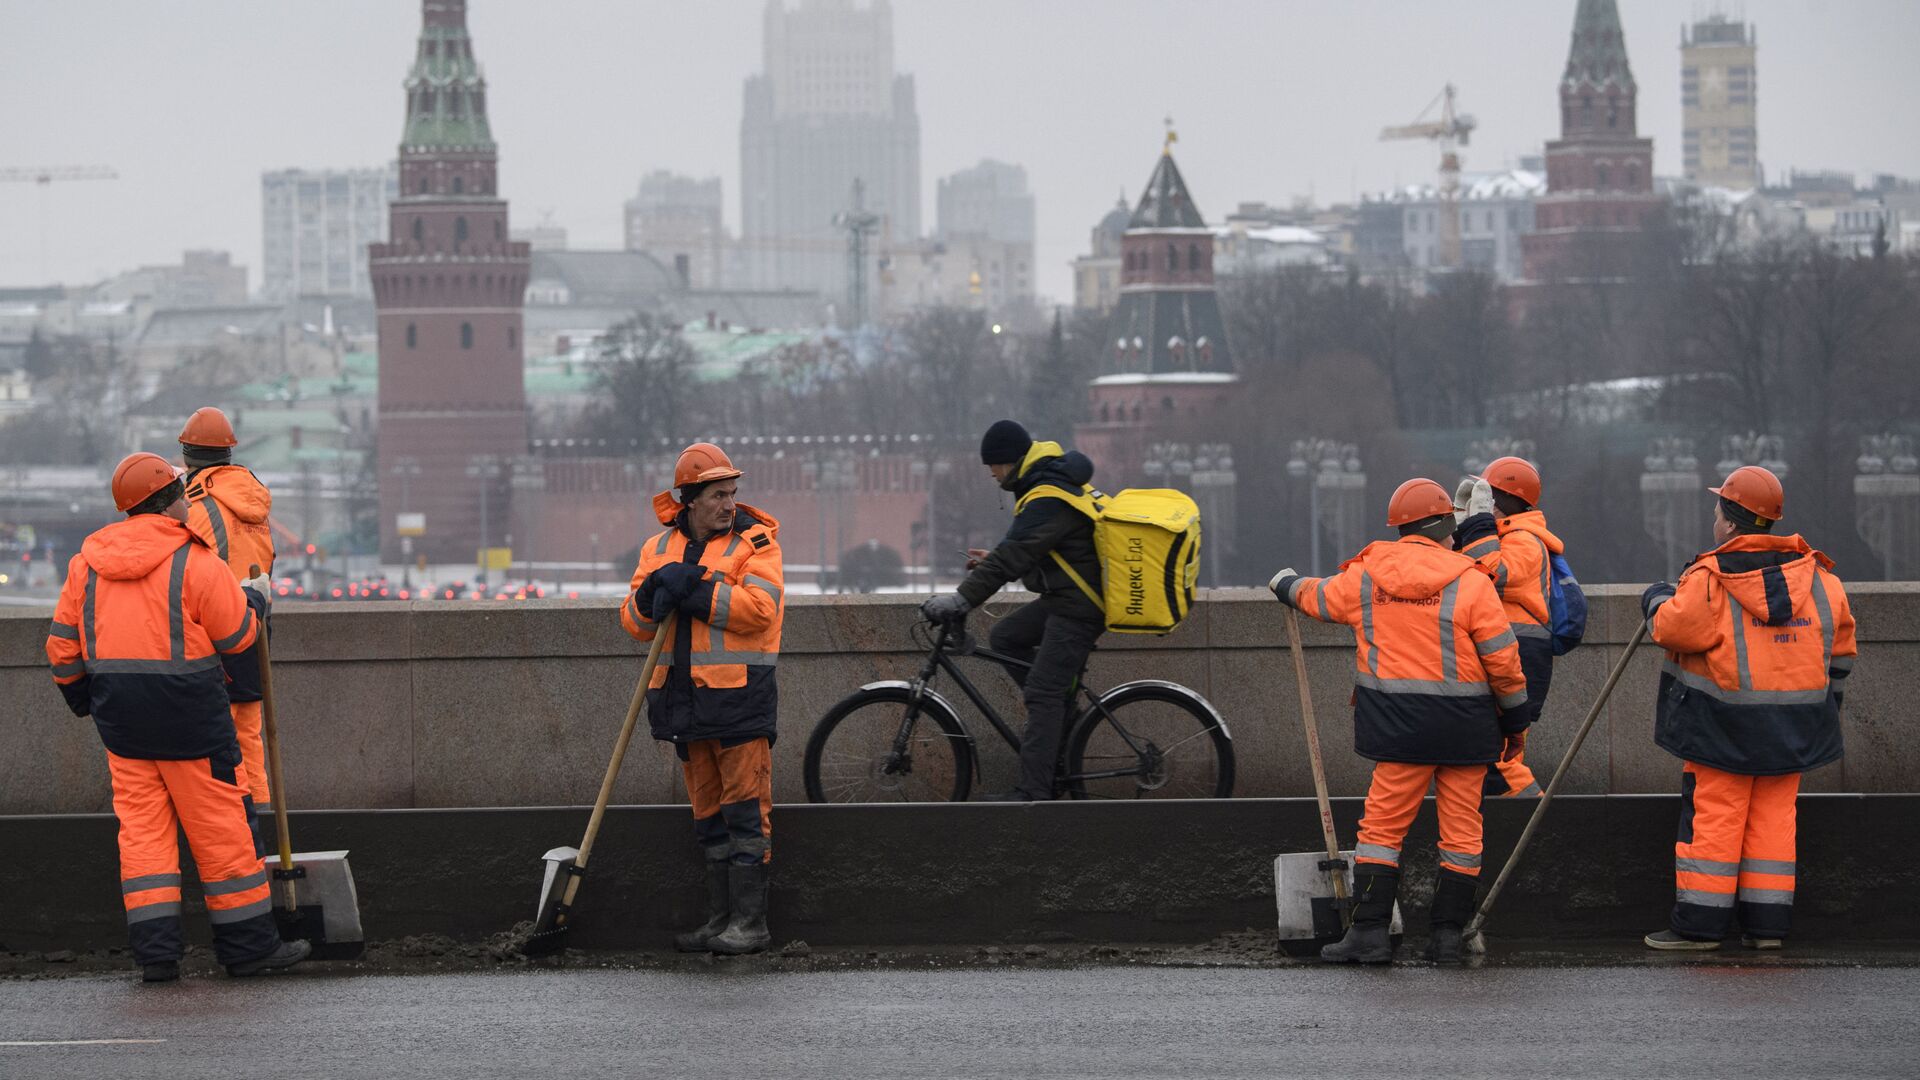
(446, 93)
(1599, 53)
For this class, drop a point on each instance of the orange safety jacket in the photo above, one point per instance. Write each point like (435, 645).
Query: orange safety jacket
(227, 508)
(1517, 551)
(715, 677)
(144, 613)
(1760, 641)
(1437, 670)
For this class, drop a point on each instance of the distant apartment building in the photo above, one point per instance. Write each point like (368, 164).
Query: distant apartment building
(827, 110)
(677, 220)
(985, 214)
(1719, 97)
(315, 228)
(1096, 275)
(543, 237)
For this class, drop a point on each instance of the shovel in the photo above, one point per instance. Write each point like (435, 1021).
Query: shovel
(565, 865)
(1311, 888)
(1472, 937)
(315, 899)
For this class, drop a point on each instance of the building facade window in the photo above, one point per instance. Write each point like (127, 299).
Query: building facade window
(459, 227)
(413, 336)
(466, 335)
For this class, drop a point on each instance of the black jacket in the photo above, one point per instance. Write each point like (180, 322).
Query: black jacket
(1043, 527)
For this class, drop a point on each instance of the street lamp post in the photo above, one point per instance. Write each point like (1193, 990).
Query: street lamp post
(529, 483)
(1335, 466)
(405, 469)
(1212, 475)
(1887, 501)
(1670, 500)
(486, 469)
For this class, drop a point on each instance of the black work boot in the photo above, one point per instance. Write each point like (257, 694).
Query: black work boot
(163, 971)
(747, 931)
(1452, 907)
(288, 954)
(1367, 941)
(719, 908)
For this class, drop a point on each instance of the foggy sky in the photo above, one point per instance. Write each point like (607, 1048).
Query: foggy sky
(192, 99)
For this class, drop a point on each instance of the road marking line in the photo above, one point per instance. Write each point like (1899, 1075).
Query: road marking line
(80, 1042)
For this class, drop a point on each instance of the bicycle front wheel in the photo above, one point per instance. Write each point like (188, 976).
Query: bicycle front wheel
(1150, 742)
(876, 746)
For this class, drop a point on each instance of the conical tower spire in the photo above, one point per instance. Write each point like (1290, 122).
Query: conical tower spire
(446, 92)
(1598, 57)
(1165, 204)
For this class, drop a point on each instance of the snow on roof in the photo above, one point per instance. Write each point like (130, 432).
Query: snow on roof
(1508, 184)
(1168, 378)
(1283, 234)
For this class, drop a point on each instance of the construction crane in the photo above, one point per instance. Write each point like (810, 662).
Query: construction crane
(43, 177)
(1451, 131)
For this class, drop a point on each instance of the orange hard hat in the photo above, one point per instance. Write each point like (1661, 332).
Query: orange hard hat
(1516, 477)
(138, 476)
(207, 427)
(1755, 490)
(1417, 500)
(703, 463)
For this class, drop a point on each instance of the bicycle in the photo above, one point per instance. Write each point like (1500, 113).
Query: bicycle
(902, 741)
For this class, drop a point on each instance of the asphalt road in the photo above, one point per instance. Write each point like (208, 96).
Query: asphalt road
(737, 1022)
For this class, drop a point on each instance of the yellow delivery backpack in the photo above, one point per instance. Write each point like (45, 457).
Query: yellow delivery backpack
(1148, 540)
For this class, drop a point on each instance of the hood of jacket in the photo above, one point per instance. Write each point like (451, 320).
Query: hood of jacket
(132, 548)
(1770, 576)
(1535, 522)
(673, 514)
(1048, 463)
(239, 492)
(1412, 567)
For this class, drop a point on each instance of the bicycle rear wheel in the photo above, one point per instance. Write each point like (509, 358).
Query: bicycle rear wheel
(852, 756)
(1161, 742)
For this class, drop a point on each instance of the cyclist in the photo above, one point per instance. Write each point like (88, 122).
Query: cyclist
(1056, 632)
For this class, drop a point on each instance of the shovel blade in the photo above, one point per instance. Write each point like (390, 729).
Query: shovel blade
(326, 909)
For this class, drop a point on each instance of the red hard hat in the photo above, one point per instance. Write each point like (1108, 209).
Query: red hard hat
(703, 463)
(207, 427)
(1416, 500)
(1756, 490)
(1516, 477)
(138, 476)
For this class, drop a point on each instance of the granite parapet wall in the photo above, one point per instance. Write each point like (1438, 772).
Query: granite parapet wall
(478, 703)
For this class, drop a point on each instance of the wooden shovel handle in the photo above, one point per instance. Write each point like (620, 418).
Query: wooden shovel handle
(619, 755)
(1313, 756)
(270, 735)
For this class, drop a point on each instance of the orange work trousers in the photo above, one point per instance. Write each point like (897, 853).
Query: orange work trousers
(155, 801)
(1394, 798)
(253, 762)
(731, 789)
(1735, 851)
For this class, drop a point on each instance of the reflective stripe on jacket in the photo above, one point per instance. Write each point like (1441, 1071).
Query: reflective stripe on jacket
(1436, 664)
(1760, 641)
(227, 509)
(144, 612)
(715, 678)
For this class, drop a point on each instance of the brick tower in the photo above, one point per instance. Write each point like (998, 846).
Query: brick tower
(448, 285)
(1168, 372)
(1600, 171)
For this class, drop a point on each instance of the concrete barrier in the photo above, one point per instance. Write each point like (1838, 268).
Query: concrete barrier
(481, 703)
(1177, 872)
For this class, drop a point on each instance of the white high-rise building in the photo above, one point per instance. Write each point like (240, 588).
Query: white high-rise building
(315, 228)
(827, 110)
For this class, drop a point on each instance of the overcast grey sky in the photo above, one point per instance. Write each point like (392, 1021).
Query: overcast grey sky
(192, 99)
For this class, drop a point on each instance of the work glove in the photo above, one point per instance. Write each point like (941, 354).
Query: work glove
(1461, 493)
(261, 584)
(1282, 583)
(1656, 592)
(945, 608)
(670, 586)
(1512, 745)
(1480, 498)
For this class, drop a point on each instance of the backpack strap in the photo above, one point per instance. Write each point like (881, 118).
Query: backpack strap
(1080, 581)
(1086, 500)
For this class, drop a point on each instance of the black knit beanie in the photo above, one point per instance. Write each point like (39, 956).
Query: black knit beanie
(1005, 443)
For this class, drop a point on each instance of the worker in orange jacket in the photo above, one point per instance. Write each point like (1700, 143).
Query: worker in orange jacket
(1502, 528)
(1438, 696)
(716, 571)
(136, 640)
(227, 508)
(1760, 642)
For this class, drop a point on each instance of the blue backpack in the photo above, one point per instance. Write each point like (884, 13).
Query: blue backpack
(1566, 608)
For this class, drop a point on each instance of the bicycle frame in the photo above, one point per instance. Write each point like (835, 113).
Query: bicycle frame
(940, 659)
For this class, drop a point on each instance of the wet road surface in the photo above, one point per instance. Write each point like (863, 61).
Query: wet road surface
(738, 1021)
